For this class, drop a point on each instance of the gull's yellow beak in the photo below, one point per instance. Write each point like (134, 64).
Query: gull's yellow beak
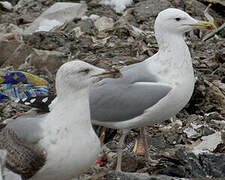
(111, 74)
(204, 25)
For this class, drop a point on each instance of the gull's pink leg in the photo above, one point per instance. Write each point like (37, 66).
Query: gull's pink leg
(120, 149)
(3, 155)
(147, 155)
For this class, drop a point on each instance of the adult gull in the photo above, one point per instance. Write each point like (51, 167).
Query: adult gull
(154, 90)
(61, 144)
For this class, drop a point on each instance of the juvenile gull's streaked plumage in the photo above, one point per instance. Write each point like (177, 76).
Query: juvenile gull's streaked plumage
(61, 144)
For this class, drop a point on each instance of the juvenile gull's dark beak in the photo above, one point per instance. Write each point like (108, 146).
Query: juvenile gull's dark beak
(204, 25)
(110, 74)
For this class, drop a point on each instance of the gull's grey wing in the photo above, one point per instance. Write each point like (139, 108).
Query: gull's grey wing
(27, 128)
(131, 74)
(19, 138)
(113, 102)
(9, 175)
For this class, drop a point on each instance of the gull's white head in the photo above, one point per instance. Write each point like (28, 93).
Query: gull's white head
(177, 21)
(76, 75)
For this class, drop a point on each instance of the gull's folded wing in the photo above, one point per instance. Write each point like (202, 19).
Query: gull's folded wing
(110, 103)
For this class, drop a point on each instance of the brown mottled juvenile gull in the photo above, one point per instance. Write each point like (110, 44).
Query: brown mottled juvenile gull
(61, 144)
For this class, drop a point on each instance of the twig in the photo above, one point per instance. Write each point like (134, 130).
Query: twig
(207, 15)
(210, 35)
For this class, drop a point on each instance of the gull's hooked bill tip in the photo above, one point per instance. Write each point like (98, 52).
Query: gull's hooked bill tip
(115, 73)
(204, 25)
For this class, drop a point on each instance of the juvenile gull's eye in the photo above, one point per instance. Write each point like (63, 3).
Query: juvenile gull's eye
(177, 19)
(85, 71)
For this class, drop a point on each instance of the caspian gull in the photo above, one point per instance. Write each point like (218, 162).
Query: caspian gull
(154, 90)
(61, 144)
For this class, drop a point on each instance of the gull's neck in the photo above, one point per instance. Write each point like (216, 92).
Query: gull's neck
(173, 59)
(72, 109)
(173, 45)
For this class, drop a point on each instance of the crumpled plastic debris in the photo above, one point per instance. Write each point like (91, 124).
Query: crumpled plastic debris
(209, 143)
(20, 85)
(99, 161)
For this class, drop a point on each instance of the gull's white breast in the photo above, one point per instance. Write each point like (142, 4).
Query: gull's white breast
(70, 151)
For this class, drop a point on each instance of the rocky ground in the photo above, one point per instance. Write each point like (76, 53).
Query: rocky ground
(106, 38)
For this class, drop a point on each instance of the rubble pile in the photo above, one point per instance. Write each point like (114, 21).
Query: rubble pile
(38, 36)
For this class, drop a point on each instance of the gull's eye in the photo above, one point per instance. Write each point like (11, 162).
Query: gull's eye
(177, 19)
(84, 71)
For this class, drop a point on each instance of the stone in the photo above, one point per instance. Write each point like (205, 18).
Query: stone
(150, 8)
(9, 28)
(50, 60)
(7, 48)
(47, 40)
(117, 175)
(216, 93)
(13, 1)
(5, 5)
(18, 56)
(30, 8)
(185, 164)
(220, 55)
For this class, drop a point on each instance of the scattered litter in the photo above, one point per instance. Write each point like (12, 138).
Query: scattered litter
(7, 5)
(117, 5)
(57, 14)
(93, 17)
(47, 25)
(77, 32)
(208, 144)
(20, 85)
(219, 122)
(196, 126)
(190, 132)
(121, 39)
(104, 23)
